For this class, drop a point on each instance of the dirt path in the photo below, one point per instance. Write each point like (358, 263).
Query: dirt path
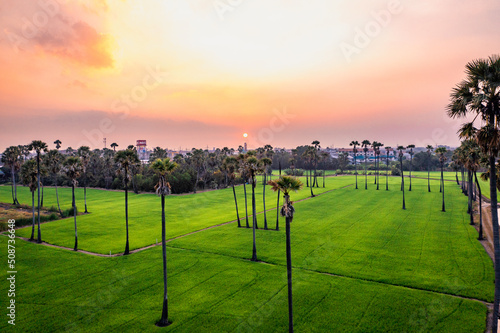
(171, 239)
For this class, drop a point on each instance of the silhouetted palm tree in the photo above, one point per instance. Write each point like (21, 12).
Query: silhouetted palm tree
(429, 155)
(265, 162)
(440, 152)
(410, 147)
(230, 164)
(387, 152)
(39, 147)
(72, 168)
(29, 176)
(12, 158)
(287, 184)
(58, 144)
(114, 145)
(163, 167)
(125, 160)
(401, 148)
(355, 144)
(84, 153)
(365, 144)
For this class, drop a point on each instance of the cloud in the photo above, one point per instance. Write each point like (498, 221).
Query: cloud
(60, 30)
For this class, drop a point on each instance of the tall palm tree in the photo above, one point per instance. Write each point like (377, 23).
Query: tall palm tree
(410, 147)
(125, 160)
(54, 162)
(479, 95)
(39, 147)
(429, 155)
(387, 152)
(287, 184)
(377, 162)
(163, 167)
(315, 156)
(365, 144)
(265, 163)
(374, 145)
(84, 153)
(278, 201)
(401, 148)
(73, 167)
(355, 144)
(29, 177)
(114, 145)
(230, 164)
(58, 144)
(253, 166)
(309, 155)
(12, 158)
(244, 175)
(441, 153)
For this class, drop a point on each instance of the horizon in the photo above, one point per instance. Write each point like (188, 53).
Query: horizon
(285, 73)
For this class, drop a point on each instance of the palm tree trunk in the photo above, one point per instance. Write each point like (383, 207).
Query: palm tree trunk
(126, 213)
(14, 187)
(246, 204)
(411, 164)
(456, 177)
(32, 238)
(41, 203)
(278, 212)
(85, 193)
(366, 173)
(254, 224)
(57, 196)
(74, 215)
(356, 171)
(387, 173)
(164, 313)
(470, 209)
(289, 275)
(442, 186)
(310, 174)
(480, 208)
(264, 202)
(236, 204)
(496, 240)
(403, 184)
(375, 180)
(39, 238)
(429, 176)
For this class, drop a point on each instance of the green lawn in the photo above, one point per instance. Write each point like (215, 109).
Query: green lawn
(361, 264)
(104, 229)
(61, 291)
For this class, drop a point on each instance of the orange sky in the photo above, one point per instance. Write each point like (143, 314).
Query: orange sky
(198, 73)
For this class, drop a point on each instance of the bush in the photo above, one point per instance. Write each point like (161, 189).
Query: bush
(395, 171)
(296, 172)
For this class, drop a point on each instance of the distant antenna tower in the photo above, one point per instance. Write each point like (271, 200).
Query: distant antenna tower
(104, 141)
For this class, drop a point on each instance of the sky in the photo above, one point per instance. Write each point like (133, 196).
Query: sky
(200, 73)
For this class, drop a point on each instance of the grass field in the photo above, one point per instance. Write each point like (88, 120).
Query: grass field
(361, 264)
(104, 229)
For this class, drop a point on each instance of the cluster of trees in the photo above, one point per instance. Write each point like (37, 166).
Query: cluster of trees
(478, 96)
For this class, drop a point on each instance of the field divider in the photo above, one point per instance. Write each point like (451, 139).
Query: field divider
(170, 239)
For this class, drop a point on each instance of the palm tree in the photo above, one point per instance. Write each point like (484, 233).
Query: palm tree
(387, 152)
(38, 146)
(317, 147)
(308, 155)
(278, 201)
(411, 160)
(29, 177)
(354, 144)
(365, 144)
(58, 144)
(230, 163)
(440, 152)
(265, 162)
(377, 162)
(84, 153)
(429, 154)
(479, 94)
(54, 160)
(163, 167)
(73, 167)
(125, 160)
(11, 157)
(253, 166)
(243, 173)
(401, 148)
(114, 145)
(374, 145)
(287, 184)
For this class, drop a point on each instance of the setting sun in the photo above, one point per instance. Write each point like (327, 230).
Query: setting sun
(245, 135)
